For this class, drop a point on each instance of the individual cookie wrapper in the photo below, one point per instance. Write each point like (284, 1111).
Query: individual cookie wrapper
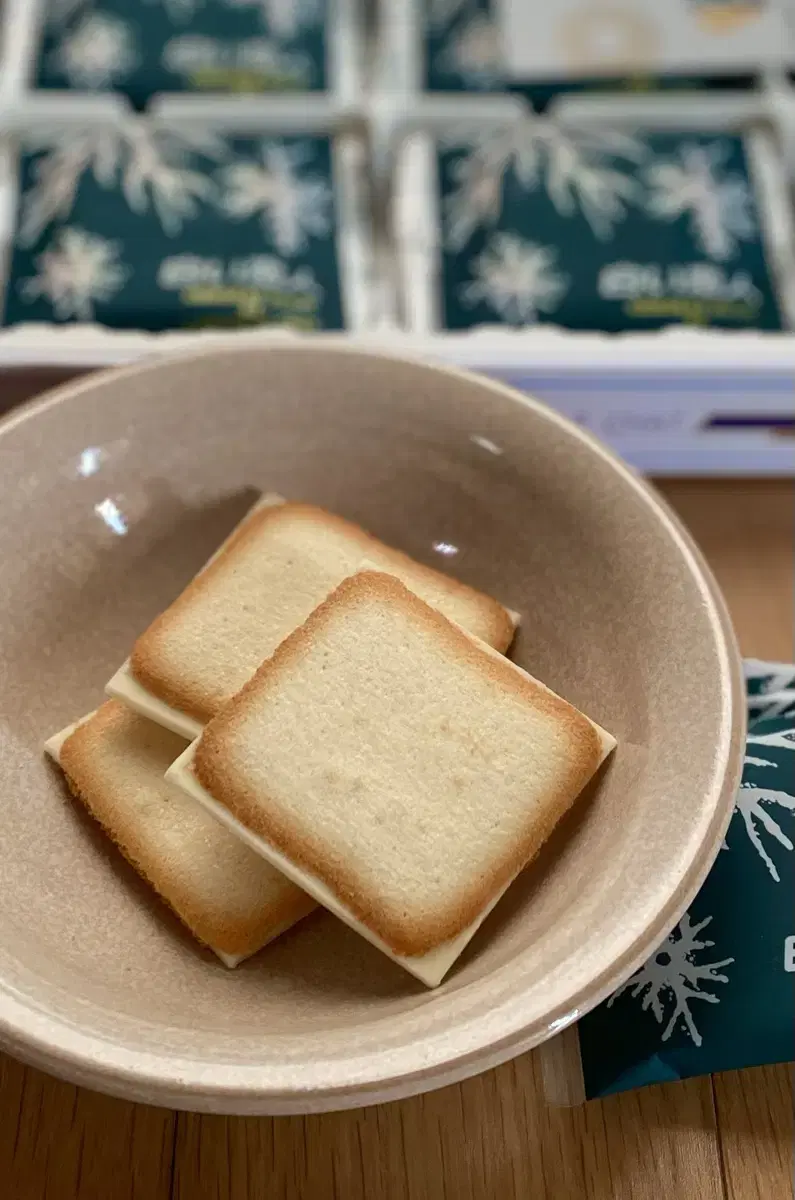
(223, 218)
(145, 49)
(718, 994)
(592, 228)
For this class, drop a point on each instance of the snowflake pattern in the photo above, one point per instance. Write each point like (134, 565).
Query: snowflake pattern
(577, 173)
(782, 739)
(57, 175)
(293, 206)
(151, 164)
(771, 688)
(77, 271)
(671, 980)
(719, 205)
(768, 676)
(157, 169)
(98, 53)
(751, 799)
(474, 53)
(749, 805)
(517, 278)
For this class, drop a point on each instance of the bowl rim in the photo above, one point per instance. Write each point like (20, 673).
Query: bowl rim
(57, 1045)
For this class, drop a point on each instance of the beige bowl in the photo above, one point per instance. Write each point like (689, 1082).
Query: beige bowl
(115, 490)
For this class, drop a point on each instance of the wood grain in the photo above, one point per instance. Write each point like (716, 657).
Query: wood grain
(756, 1132)
(491, 1138)
(59, 1142)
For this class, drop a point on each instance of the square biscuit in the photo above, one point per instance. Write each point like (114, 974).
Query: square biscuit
(266, 580)
(396, 766)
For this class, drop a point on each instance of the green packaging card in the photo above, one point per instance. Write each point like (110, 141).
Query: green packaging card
(603, 230)
(147, 228)
(719, 994)
(143, 47)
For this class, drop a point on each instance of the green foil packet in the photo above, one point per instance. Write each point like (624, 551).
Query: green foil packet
(719, 994)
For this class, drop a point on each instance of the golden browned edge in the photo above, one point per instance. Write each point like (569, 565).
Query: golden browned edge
(180, 694)
(215, 774)
(86, 784)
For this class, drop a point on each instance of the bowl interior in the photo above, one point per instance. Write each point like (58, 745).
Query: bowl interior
(116, 494)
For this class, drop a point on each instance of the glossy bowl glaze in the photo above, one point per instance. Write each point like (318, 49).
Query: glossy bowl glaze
(115, 489)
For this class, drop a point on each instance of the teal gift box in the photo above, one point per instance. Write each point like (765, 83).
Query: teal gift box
(139, 226)
(145, 47)
(719, 994)
(606, 230)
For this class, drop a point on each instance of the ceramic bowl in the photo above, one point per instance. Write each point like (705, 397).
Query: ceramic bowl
(115, 489)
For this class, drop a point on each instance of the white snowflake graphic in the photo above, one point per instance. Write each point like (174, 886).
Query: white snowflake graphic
(292, 206)
(518, 279)
(57, 174)
(286, 19)
(576, 173)
(79, 270)
(751, 799)
(775, 675)
(783, 739)
(157, 169)
(673, 975)
(719, 205)
(98, 53)
(777, 690)
(474, 53)
(148, 163)
(749, 805)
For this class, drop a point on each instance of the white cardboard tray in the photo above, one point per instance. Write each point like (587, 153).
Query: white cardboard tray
(655, 398)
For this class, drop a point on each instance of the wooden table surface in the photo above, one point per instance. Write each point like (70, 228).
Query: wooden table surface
(493, 1137)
